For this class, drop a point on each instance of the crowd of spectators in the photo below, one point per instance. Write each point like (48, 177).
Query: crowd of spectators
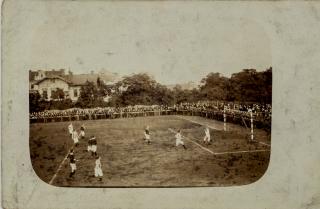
(235, 112)
(97, 111)
(259, 110)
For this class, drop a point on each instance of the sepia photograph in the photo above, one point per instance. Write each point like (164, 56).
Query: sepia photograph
(158, 105)
(99, 129)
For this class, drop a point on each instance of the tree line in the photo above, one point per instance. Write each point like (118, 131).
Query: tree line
(247, 86)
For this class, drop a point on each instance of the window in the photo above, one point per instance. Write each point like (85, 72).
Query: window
(53, 94)
(75, 92)
(45, 94)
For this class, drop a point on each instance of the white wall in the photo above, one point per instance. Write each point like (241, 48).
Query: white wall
(52, 84)
(72, 90)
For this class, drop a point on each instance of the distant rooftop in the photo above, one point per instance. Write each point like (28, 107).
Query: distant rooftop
(75, 79)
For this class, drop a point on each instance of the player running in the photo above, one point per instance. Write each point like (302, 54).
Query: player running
(97, 169)
(94, 146)
(70, 128)
(147, 135)
(75, 138)
(90, 144)
(72, 163)
(179, 139)
(82, 134)
(206, 138)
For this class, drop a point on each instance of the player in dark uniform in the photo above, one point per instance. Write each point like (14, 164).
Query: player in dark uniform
(90, 144)
(72, 163)
(94, 146)
(82, 134)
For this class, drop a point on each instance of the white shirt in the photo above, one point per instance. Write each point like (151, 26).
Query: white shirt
(70, 127)
(178, 136)
(98, 163)
(207, 132)
(74, 135)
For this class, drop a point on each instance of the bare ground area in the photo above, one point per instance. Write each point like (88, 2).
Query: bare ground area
(128, 161)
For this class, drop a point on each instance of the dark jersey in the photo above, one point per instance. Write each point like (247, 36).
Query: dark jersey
(71, 158)
(82, 128)
(90, 142)
(147, 132)
(93, 142)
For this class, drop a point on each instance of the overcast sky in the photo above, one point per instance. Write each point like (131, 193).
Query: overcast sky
(174, 44)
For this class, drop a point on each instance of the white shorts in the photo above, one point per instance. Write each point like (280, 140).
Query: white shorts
(98, 172)
(89, 148)
(73, 167)
(93, 148)
(178, 142)
(82, 134)
(147, 136)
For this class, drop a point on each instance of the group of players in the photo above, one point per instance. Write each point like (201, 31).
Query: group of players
(92, 147)
(178, 136)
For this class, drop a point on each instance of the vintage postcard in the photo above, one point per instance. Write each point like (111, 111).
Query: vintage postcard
(157, 104)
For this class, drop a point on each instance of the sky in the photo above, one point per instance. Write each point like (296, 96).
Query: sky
(173, 44)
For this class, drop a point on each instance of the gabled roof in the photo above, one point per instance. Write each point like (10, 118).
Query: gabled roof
(51, 77)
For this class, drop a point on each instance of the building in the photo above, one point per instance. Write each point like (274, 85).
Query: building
(47, 83)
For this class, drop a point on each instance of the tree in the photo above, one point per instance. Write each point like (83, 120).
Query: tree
(267, 86)
(251, 86)
(214, 87)
(34, 100)
(99, 83)
(89, 96)
(57, 94)
(140, 89)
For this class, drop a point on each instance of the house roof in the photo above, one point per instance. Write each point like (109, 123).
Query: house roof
(51, 77)
(55, 73)
(32, 75)
(73, 79)
(81, 79)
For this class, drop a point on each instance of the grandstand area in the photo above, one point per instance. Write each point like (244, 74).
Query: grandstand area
(128, 161)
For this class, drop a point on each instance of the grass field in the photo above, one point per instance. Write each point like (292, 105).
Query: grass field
(128, 161)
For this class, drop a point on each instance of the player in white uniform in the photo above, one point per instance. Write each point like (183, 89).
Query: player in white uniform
(207, 138)
(97, 169)
(70, 128)
(82, 134)
(147, 135)
(179, 139)
(75, 138)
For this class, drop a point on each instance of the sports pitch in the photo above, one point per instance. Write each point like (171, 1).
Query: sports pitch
(128, 161)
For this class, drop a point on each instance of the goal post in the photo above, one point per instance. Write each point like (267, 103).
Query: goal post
(251, 120)
(224, 119)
